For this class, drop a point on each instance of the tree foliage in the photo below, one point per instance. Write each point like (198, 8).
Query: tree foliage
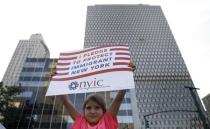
(8, 111)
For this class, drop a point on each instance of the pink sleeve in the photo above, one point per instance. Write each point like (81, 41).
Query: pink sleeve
(111, 121)
(77, 122)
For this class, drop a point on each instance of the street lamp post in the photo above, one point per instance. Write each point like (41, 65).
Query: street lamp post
(201, 115)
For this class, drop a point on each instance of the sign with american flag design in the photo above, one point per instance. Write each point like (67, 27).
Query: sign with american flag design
(102, 68)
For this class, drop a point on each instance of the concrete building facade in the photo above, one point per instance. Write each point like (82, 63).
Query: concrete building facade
(34, 47)
(162, 97)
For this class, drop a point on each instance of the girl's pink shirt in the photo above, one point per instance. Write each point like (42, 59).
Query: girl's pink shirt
(106, 122)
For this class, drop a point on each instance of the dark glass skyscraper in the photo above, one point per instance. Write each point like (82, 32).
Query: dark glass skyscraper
(37, 110)
(164, 95)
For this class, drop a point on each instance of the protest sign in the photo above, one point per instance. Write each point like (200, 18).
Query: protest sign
(96, 69)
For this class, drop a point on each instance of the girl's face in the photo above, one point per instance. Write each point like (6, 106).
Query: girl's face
(93, 112)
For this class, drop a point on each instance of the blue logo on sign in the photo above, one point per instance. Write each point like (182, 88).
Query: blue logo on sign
(73, 85)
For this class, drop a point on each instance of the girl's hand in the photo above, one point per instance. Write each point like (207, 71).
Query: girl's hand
(132, 66)
(52, 73)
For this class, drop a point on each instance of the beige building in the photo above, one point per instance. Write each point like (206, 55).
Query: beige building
(32, 48)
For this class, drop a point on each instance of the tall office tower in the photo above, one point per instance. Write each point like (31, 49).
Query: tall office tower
(164, 95)
(34, 47)
(206, 101)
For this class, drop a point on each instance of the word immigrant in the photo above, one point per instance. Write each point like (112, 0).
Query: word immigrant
(91, 70)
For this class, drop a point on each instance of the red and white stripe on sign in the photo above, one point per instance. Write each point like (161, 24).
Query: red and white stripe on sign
(122, 56)
(122, 59)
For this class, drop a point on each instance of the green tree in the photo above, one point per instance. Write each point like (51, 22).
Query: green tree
(9, 112)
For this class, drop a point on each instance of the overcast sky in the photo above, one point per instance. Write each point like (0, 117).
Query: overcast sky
(62, 25)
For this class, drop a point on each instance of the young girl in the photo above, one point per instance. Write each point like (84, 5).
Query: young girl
(95, 115)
